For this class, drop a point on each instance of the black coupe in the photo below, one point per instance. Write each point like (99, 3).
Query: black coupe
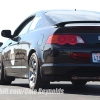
(54, 45)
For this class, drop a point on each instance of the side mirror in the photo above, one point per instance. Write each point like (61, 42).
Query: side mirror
(1, 44)
(6, 33)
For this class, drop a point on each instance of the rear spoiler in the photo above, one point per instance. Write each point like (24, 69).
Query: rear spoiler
(62, 24)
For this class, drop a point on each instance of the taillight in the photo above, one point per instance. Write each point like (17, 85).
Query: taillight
(64, 39)
(71, 39)
(61, 39)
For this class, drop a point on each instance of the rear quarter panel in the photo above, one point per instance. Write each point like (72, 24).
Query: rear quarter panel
(32, 41)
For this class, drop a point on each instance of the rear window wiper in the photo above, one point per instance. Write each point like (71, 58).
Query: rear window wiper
(62, 24)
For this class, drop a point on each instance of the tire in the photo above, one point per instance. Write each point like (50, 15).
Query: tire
(34, 77)
(78, 82)
(3, 81)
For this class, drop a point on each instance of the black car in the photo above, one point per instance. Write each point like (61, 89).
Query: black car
(54, 45)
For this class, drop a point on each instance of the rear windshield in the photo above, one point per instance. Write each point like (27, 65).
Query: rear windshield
(55, 17)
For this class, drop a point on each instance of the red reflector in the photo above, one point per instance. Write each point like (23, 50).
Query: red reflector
(77, 55)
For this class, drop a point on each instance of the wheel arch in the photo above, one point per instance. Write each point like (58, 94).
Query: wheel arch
(37, 53)
(30, 53)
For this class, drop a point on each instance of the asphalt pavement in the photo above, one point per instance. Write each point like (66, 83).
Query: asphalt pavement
(19, 90)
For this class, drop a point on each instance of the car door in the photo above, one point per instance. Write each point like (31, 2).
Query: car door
(13, 65)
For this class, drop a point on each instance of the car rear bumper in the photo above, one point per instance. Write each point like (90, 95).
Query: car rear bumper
(63, 72)
(63, 62)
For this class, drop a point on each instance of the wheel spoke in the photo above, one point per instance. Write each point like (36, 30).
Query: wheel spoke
(34, 66)
(31, 69)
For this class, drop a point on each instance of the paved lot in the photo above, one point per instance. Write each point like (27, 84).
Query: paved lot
(19, 90)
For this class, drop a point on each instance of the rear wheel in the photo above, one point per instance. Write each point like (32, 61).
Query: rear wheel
(35, 81)
(3, 81)
(78, 82)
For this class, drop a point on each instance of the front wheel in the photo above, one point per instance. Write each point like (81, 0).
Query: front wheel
(35, 81)
(78, 82)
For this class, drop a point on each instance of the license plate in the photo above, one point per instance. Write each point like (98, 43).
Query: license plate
(96, 57)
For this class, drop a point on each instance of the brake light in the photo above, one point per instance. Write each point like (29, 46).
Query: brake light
(64, 39)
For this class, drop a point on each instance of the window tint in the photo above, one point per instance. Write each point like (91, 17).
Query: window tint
(24, 26)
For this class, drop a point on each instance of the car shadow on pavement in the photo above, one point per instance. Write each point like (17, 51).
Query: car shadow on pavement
(89, 89)
(20, 85)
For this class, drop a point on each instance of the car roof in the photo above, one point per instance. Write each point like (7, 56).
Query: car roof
(71, 11)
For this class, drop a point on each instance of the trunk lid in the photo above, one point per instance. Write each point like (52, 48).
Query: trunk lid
(90, 34)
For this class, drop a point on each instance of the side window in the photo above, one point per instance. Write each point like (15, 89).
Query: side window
(25, 29)
(36, 23)
(24, 26)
